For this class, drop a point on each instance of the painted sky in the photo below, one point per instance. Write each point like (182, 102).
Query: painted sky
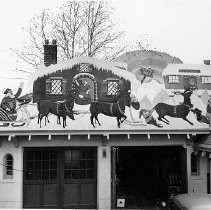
(181, 28)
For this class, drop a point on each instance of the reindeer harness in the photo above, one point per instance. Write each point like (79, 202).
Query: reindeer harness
(175, 111)
(57, 106)
(111, 108)
(119, 108)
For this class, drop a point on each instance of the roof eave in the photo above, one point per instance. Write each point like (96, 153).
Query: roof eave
(102, 132)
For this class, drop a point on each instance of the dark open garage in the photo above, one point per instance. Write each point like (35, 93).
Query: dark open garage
(145, 176)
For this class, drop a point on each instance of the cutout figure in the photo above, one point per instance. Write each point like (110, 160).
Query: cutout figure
(147, 114)
(208, 109)
(186, 94)
(9, 101)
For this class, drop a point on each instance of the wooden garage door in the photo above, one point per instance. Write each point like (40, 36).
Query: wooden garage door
(59, 178)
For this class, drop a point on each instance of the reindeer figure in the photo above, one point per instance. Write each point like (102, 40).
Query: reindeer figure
(179, 111)
(116, 109)
(57, 108)
(186, 94)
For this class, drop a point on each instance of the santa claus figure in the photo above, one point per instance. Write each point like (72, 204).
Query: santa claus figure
(9, 101)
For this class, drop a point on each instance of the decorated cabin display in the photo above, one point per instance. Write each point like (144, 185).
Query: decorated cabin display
(88, 93)
(183, 76)
(83, 80)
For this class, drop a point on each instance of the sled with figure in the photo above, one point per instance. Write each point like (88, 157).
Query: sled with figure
(19, 117)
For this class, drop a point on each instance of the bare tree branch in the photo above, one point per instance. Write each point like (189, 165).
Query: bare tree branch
(32, 51)
(80, 28)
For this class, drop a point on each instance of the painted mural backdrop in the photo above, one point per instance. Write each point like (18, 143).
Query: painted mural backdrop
(76, 101)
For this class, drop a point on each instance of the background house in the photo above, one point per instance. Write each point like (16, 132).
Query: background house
(182, 76)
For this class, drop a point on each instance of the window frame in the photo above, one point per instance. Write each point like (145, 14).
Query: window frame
(5, 168)
(117, 88)
(59, 156)
(62, 87)
(74, 164)
(56, 79)
(88, 69)
(206, 79)
(197, 162)
(35, 165)
(173, 79)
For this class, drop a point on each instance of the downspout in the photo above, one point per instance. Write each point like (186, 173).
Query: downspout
(208, 175)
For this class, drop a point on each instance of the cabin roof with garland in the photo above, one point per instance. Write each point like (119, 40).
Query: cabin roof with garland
(118, 68)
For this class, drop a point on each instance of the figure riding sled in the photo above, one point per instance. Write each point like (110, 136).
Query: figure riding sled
(11, 104)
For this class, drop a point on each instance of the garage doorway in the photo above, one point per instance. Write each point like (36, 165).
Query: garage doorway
(142, 176)
(60, 178)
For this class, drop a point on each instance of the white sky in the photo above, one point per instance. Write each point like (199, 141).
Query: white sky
(181, 28)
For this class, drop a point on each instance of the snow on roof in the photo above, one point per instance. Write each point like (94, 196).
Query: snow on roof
(118, 68)
(199, 92)
(82, 122)
(187, 69)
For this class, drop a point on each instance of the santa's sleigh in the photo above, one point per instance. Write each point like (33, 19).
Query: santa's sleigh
(18, 117)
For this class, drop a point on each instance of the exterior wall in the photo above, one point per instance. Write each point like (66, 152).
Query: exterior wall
(197, 183)
(206, 86)
(199, 84)
(11, 191)
(104, 178)
(143, 140)
(180, 85)
(168, 85)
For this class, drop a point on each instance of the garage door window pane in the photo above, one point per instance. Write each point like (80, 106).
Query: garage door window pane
(41, 165)
(77, 164)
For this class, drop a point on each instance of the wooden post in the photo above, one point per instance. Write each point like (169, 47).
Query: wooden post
(15, 141)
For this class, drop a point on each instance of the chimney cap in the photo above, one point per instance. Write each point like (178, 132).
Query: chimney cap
(207, 62)
(47, 41)
(54, 42)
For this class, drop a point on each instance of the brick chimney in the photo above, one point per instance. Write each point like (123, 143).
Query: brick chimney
(50, 52)
(207, 62)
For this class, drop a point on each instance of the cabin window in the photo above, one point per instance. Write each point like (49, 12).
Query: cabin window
(206, 79)
(56, 86)
(173, 79)
(8, 166)
(194, 164)
(84, 67)
(112, 87)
